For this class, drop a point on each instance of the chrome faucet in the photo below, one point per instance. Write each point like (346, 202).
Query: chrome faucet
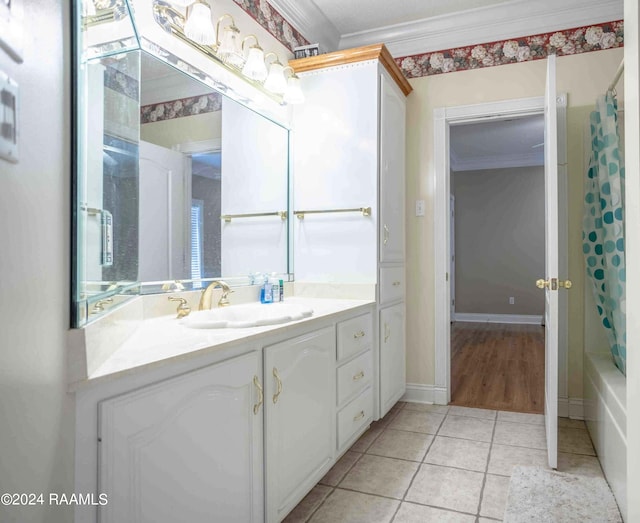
(205, 298)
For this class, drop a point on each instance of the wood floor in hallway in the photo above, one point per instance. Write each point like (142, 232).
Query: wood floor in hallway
(498, 366)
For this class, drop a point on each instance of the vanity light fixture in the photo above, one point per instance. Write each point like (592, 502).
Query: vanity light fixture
(181, 3)
(199, 26)
(223, 45)
(254, 68)
(229, 46)
(293, 93)
(275, 82)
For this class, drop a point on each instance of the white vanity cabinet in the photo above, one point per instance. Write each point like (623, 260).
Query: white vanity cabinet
(237, 432)
(299, 417)
(392, 355)
(185, 449)
(348, 144)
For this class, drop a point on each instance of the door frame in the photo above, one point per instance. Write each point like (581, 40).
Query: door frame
(443, 119)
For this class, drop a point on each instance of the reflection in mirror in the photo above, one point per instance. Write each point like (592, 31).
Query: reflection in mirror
(162, 159)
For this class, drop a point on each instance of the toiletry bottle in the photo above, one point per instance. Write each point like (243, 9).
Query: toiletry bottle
(275, 289)
(266, 294)
(281, 290)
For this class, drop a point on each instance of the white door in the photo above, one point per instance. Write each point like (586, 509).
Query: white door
(551, 264)
(162, 214)
(186, 449)
(452, 247)
(300, 397)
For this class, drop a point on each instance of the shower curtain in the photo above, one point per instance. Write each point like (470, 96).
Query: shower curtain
(603, 225)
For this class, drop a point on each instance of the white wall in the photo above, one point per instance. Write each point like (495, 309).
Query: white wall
(632, 159)
(499, 240)
(36, 413)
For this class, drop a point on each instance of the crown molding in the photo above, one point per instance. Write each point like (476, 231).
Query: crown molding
(501, 161)
(489, 24)
(310, 21)
(349, 56)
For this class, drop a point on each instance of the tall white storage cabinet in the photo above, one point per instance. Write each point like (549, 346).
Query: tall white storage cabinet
(348, 144)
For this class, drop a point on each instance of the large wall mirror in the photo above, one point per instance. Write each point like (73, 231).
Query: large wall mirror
(174, 182)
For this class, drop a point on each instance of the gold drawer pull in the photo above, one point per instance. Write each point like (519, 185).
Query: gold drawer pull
(359, 416)
(256, 407)
(278, 385)
(358, 335)
(396, 283)
(359, 376)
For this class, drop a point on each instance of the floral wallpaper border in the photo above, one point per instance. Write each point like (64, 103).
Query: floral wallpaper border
(562, 43)
(121, 82)
(263, 13)
(159, 112)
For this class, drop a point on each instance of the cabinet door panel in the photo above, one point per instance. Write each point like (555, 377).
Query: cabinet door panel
(187, 449)
(300, 417)
(392, 356)
(392, 166)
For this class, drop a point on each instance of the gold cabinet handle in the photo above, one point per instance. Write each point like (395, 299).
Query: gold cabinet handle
(387, 332)
(359, 334)
(359, 416)
(386, 234)
(567, 284)
(396, 283)
(278, 385)
(358, 376)
(256, 407)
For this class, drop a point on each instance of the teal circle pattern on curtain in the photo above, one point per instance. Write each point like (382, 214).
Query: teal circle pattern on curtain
(603, 226)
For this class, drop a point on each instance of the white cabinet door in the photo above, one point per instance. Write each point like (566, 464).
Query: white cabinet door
(392, 166)
(392, 356)
(299, 417)
(186, 449)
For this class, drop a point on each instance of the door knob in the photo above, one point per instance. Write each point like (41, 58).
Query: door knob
(553, 284)
(541, 284)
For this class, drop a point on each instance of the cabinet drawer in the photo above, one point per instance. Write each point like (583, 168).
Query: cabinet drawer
(354, 376)
(354, 335)
(355, 416)
(391, 284)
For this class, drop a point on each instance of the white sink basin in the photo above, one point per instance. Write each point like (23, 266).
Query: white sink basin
(243, 316)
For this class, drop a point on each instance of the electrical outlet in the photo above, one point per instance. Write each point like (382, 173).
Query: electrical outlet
(512, 300)
(420, 207)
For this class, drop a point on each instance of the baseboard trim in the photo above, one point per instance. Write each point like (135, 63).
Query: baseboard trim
(431, 394)
(523, 319)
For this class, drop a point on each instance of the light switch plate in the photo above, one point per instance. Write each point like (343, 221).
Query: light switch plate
(8, 119)
(419, 207)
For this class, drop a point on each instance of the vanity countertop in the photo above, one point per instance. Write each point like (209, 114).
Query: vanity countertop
(163, 339)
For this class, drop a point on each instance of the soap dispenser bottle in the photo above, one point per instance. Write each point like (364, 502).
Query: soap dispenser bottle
(266, 293)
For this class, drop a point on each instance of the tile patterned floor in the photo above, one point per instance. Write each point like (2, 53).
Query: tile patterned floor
(429, 463)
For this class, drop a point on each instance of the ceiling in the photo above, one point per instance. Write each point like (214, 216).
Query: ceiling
(410, 27)
(497, 144)
(352, 16)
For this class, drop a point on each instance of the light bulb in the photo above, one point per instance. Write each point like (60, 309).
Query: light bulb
(254, 67)
(276, 82)
(229, 50)
(293, 93)
(199, 26)
(181, 3)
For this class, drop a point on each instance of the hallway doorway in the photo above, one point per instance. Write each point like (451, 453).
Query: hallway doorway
(497, 181)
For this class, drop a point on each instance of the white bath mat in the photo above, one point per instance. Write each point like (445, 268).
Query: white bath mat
(538, 495)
